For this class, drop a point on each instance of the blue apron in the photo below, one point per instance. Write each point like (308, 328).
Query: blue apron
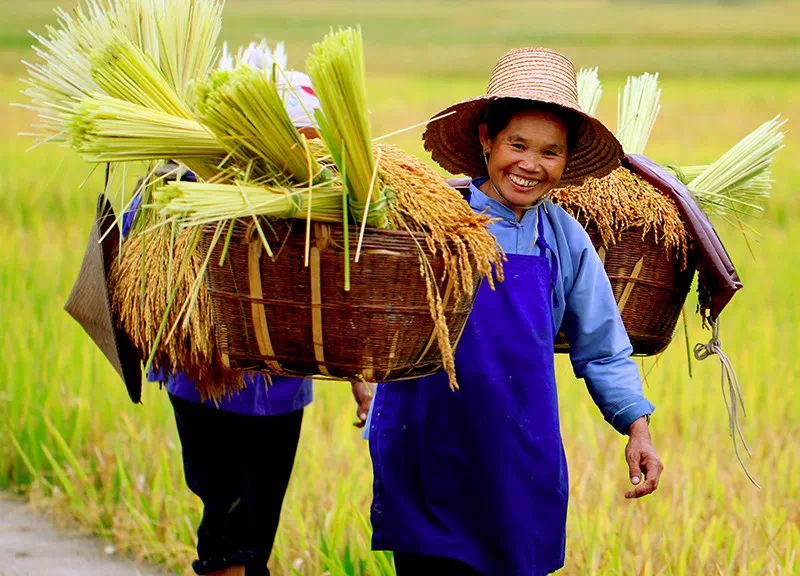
(480, 475)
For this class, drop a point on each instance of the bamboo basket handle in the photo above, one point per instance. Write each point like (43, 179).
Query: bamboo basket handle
(257, 306)
(626, 293)
(316, 311)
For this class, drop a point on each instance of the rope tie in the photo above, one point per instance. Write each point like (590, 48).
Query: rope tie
(295, 204)
(377, 208)
(731, 392)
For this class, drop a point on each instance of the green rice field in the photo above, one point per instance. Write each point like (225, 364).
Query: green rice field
(74, 444)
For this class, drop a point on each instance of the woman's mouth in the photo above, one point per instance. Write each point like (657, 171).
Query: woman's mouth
(523, 183)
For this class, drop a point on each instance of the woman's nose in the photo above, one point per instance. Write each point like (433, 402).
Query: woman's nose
(531, 162)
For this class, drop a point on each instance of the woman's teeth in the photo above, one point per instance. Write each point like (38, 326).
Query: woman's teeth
(522, 182)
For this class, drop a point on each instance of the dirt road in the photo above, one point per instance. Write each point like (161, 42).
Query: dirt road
(30, 545)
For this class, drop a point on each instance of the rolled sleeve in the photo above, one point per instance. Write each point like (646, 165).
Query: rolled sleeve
(623, 416)
(600, 349)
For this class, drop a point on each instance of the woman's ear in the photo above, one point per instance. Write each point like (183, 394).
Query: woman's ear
(483, 135)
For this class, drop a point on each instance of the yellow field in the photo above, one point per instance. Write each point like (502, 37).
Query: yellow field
(72, 440)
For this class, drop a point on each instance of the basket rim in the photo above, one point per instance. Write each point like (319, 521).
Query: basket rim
(210, 228)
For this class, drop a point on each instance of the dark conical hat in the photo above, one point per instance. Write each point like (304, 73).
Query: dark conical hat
(89, 303)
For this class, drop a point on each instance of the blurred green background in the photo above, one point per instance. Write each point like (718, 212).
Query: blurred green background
(73, 442)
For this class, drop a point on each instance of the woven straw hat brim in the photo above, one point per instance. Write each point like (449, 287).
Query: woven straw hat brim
(89, 302)
(536, 75)
(454, 143)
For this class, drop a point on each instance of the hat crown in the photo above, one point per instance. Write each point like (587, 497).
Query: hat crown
(535, 74)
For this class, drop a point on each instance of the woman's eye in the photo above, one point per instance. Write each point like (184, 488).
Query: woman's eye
(517, 146)
(549, 153)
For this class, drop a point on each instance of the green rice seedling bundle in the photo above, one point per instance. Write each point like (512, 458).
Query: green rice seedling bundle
(199, 26)
(106, 129)
(62, 75)
(246, 112)
(177, 35)
(336, 68)
(200, 203)
(124, 71)
(127, 75)
(740, 180)
(637, 109)
(590, 89)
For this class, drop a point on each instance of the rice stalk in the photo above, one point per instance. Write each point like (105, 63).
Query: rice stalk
(623, 200)
(421, 201)
(190, 347)
(188, 34)
(62, 75)
(179, 36)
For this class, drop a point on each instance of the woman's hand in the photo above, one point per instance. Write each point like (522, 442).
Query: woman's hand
(362, 392)
(642, 458)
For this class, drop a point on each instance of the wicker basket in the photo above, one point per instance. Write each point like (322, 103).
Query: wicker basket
(290, 320)
(649, 286)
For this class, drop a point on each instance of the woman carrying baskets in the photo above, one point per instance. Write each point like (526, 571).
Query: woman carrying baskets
(475, 481)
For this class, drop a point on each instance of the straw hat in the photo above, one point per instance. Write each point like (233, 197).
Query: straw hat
(536, 74)
(89, 302)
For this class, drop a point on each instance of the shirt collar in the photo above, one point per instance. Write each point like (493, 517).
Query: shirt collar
(480, 202)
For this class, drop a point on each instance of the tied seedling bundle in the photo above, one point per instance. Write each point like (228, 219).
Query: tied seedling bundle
(289, 254)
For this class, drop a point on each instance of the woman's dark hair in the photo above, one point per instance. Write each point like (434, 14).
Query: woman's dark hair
(498, 114)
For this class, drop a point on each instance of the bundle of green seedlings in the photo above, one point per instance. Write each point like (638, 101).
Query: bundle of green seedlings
(590, 89)
(740, 181)
(246, 113)
(177, 37)
(140, 115)
(638, 105)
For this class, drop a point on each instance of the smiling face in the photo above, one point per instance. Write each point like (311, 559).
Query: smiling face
(526, 158)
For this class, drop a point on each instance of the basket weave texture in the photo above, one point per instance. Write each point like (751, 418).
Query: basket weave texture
(281, 317)
(649, 286)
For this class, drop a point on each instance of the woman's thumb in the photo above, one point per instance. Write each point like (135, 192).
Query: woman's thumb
(636, 473)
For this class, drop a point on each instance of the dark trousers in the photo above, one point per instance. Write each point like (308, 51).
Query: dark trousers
(417, 565)
(239, 466)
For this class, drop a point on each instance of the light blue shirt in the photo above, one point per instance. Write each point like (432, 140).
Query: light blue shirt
(583, 305)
